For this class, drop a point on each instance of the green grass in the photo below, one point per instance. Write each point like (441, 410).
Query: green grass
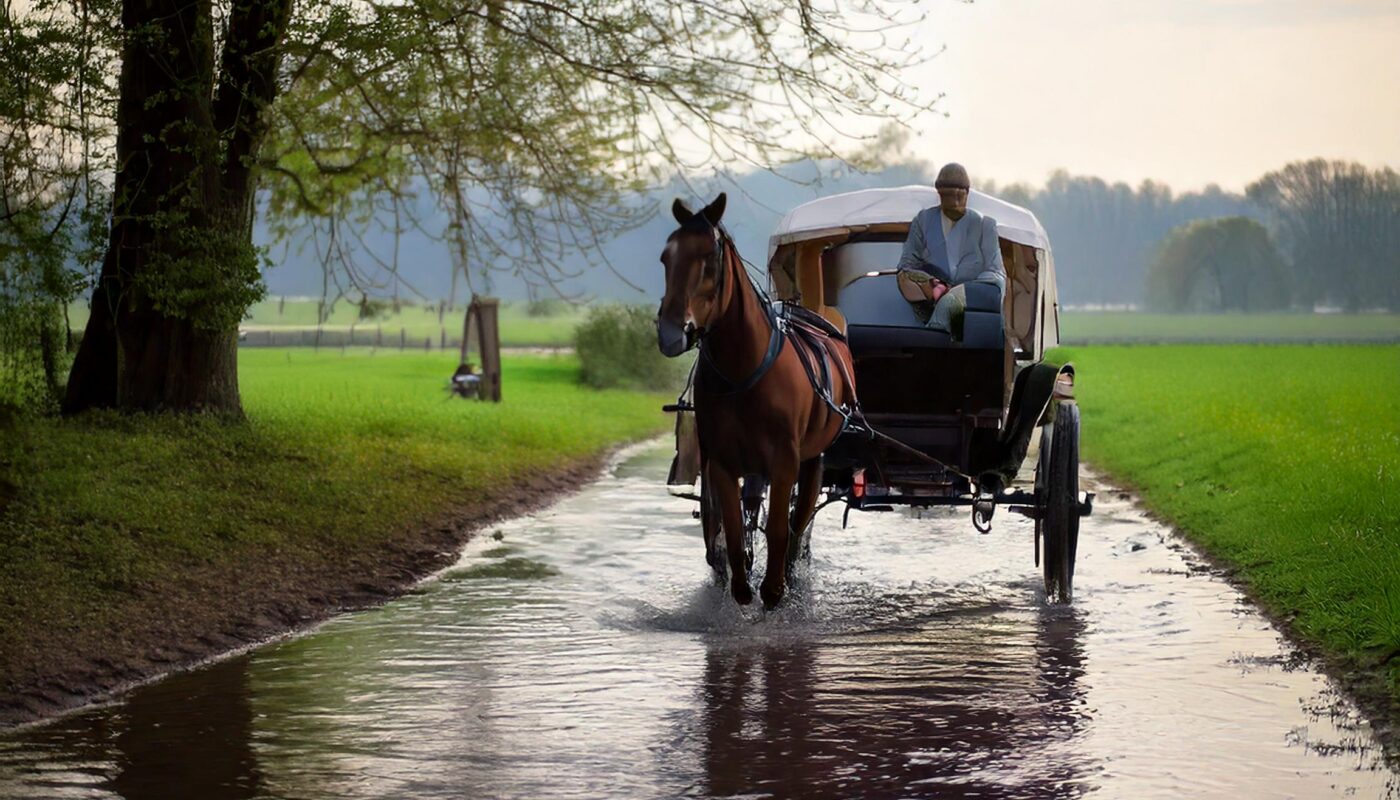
(518, 329)
(1107, 327)
(1281, 460)
(339, 452)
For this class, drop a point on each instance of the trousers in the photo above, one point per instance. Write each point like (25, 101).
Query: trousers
(949, 311)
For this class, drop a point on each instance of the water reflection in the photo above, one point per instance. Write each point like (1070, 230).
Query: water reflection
(189, 736)
(893, 716)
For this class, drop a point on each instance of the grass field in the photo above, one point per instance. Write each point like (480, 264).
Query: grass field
(1282, 461)
(339, 452)
(518, 329)
(1110, 327)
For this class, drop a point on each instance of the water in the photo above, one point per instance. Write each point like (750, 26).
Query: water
(587, 654)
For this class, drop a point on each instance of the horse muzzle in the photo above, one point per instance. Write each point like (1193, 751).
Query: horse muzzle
(671, 339)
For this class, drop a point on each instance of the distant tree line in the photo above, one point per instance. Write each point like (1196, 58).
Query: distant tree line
(1339, 223)
(1106, 234)
(1329, 229)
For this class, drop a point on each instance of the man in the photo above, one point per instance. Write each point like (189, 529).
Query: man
(953, 244)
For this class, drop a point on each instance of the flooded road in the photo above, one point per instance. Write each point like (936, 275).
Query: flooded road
(585, 653)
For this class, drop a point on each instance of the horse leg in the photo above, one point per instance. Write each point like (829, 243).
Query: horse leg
(710, 526)
(809, 483)
(726, 488)
(781, 479)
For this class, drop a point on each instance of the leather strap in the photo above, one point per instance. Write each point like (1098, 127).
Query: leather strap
(775, 346)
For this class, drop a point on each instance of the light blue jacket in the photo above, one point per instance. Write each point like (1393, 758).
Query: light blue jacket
(973, 238)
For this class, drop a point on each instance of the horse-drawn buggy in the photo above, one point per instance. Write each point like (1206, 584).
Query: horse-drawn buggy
(836, 390)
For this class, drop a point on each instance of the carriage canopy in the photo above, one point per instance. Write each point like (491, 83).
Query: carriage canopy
(840, 213)
(809, 261)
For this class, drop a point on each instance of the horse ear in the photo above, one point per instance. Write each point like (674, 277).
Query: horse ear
(680, 212)
(715, 210)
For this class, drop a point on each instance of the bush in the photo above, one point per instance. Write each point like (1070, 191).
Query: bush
(372, 309)
(617, 347)
(34, 356)
(546, 307)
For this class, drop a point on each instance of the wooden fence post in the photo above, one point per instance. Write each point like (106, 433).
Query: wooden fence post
(482, 323)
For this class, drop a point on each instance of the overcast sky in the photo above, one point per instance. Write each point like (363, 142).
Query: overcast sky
(1190, 92)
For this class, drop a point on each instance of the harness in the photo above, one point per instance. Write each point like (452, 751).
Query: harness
(776, 337)
(776, 333)
(810, 334)
(807, 332)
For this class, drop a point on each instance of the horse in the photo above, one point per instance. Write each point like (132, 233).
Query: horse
(761, 409)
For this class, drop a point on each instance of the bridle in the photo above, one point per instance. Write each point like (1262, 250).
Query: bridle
(714, 265)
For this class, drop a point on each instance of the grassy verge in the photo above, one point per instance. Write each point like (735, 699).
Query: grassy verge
(340, 454)
(1093, 327)
(1281, 461)
(518, 328)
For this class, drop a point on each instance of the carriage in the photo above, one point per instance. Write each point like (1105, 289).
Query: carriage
(977, 420)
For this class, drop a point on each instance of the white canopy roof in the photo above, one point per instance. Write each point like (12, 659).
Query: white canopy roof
(828, 216)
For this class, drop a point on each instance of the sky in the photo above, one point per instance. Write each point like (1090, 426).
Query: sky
(1190, 92)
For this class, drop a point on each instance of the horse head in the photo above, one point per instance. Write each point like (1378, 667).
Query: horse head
(695, 269)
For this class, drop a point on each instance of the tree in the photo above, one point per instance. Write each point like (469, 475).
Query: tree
(1105, 234)
(1338, 221)
(550, 110)
(52, 205)
(1223, 264)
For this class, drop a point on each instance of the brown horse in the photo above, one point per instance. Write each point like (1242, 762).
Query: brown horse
(756, 409)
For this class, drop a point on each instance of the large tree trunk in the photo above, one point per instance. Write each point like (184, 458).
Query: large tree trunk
(135, 358)
(182, 209)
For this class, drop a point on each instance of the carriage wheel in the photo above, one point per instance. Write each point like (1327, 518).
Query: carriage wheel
(711, 519)
(756, 506)
(754, 503)
(755, 515)
(799, 542)
(1059, 525)
(712, 527)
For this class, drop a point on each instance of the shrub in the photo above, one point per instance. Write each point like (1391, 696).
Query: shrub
(617, 347)
(546, 307)
(34, 355)
(372, 309)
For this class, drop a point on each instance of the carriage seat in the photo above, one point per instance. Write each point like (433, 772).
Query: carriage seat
(982, 321)
(876, 312)
(870, 338)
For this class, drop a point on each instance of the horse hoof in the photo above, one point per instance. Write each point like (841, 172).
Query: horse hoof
(743, 595)
(771, 597)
